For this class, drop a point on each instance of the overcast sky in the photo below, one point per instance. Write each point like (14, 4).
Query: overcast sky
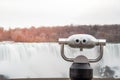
(27, 13)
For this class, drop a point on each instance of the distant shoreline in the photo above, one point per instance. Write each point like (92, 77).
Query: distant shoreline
(51, 34)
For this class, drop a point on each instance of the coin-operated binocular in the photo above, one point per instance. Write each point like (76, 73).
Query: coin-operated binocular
(80, 69)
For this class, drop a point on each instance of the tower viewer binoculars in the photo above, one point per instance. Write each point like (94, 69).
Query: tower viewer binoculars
(80, 69)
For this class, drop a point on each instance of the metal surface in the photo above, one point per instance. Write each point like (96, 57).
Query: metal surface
(82, 41)
(63, 55)
(81, 59)
(90, 60)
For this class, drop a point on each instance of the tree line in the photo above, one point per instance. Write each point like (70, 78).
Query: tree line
(51, 34)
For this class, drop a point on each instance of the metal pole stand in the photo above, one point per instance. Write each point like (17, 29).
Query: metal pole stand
(80, 69)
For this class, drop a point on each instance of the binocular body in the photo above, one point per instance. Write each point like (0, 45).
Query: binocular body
(82, 41)
(80, 69)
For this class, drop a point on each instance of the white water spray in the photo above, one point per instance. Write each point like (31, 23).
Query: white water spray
(43, 60)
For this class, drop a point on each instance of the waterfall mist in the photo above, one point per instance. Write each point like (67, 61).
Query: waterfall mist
(43, 60)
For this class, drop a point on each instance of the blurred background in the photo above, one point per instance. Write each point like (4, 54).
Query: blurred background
(27, 59)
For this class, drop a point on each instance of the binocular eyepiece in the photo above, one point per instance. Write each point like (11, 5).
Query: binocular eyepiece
(82, 41)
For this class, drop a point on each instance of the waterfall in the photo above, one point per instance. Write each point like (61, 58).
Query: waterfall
(43, 60)
(110, 64)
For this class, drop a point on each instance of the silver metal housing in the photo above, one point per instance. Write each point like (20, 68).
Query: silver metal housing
(82, 41)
